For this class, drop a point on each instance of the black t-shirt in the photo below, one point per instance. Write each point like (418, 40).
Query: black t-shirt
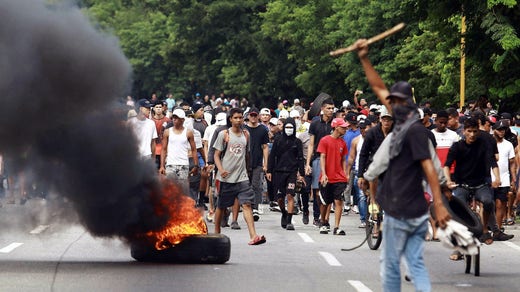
(402, 194)
(319, 129)
(473, 161)
(258, 136)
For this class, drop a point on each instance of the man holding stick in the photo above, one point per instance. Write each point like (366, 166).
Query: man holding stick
(401, 195)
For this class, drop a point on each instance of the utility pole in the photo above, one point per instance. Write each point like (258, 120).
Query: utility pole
(462, 60)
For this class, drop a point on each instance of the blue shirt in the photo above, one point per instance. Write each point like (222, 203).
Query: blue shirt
(349, 136)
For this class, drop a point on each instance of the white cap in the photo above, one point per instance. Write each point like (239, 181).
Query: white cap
(179, 113)
(294, 114)
(296, 101)
(265, 111)
(273, 121)
(346, 103)
(384, 112)
(284, 114)
(361, 117)
(374, 106)
(220, 119)
(421, 113)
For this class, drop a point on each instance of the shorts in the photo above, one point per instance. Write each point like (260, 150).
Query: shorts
(229, 191)
(316, 171)
(284, 184)
(177, 172)
(501, 193)
(331, 192)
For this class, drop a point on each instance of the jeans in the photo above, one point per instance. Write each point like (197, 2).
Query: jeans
(404, 237)
(361, 199)
(256, 183)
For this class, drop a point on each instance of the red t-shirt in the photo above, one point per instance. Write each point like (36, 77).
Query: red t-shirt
(335, 150)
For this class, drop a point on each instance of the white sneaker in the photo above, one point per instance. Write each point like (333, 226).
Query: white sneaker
(355, 209)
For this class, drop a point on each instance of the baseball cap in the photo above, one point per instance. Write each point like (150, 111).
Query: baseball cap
(345, 103)
(220, 119)
(273, 121)
(339, 122)
(253, 111)
(196, 106)
(284, 114)
(265, 111)
(502, 124)
(144, 103)
(296, 101)
(384, 112)
(506, 116)
(179, 113)
(294, 114)
(351, 118)
(401, 89)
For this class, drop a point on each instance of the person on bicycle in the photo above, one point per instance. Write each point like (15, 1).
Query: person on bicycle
(401, 195)
(473, 159)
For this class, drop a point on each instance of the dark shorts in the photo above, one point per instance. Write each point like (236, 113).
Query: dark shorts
(501, 193)
(332, 191)
(284, 184)
(229, 191)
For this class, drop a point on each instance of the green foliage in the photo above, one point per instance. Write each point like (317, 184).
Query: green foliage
(265, 49)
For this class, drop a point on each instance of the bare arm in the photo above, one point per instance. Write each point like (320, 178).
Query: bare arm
(164, 150)
(265, 154)
(324, 179)
(352, 155)
(191, 140)
(310, 150)
(375, 81)
(441, 213)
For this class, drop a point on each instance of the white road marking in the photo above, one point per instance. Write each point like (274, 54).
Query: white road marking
(39, 229)
(305, 237)
(359, 286)
(331, 260)
(10, 247)
(512, 245)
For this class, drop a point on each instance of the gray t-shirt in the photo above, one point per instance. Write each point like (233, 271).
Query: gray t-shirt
(234, 159)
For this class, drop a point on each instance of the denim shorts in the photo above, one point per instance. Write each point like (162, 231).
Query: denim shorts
(316, 171)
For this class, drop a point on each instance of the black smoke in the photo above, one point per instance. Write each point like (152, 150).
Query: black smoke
(60, 80)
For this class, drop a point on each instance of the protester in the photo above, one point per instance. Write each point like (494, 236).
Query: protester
(144, 129)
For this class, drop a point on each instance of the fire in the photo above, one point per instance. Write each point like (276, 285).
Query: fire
(185, 219)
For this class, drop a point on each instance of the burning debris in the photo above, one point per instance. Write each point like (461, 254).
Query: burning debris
(60, 120)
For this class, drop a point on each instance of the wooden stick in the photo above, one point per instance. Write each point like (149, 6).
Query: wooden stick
(370, 40)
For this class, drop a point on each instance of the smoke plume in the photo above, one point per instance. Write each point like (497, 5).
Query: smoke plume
(59, 86)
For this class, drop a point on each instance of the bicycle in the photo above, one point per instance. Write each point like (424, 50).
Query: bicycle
(374, 222)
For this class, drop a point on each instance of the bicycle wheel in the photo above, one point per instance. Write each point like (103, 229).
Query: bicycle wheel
(373, 230)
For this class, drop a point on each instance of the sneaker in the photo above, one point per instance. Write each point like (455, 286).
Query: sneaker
(209, 217)
(355, 209)
(362, 225)
(235, 226)
(324, 230)
(283, 221)
(346, 208)
(327, 225)
(224, 222)
(338, 231)
(275, 209)
(305, 218)
(501, 236)
(290, 226)
(273, 204)
(316, 222)
(256, 215)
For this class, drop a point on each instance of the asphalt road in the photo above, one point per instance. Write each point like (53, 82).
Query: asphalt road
(41, 251)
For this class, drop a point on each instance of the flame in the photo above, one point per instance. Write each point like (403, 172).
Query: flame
(185, 219)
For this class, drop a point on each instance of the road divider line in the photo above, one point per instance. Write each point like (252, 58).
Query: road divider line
(39, 229)
(331, 260)
(359, 286)
(305, 237)
(512, 245)
(10, 247)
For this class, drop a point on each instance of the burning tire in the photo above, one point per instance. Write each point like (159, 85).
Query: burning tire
(195, 249)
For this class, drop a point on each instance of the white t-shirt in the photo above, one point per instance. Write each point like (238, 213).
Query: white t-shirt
(444, 141)
(505, 152)
(145, 131)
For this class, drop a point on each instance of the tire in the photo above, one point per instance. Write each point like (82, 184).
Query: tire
(460, 212)
(374, 243)
(195, 249)
(316, 105)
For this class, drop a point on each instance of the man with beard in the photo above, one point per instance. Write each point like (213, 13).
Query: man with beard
(284, 167)
(401, 195)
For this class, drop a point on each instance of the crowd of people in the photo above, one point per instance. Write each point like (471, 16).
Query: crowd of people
(229, 155)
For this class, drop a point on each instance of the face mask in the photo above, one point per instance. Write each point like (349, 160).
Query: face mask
(289, 131)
